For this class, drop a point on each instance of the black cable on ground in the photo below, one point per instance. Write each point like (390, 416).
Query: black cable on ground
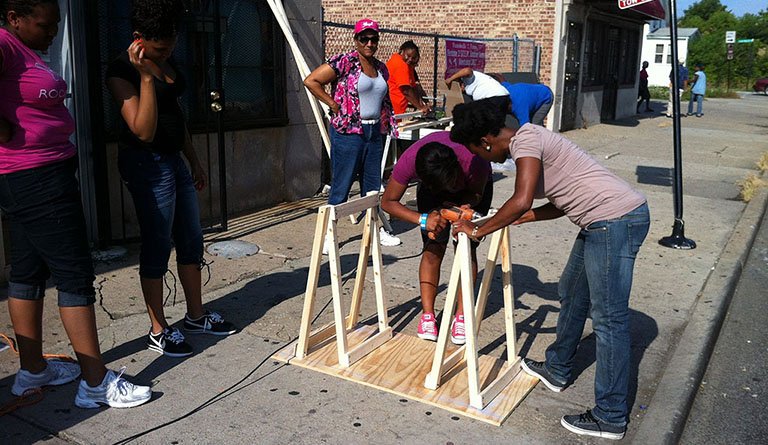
(227, 392)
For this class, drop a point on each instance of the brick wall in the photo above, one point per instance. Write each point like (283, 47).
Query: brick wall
(531, 19)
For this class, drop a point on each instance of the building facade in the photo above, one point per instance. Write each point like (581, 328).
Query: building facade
(657, 51)
(590, 49)
(249, 118)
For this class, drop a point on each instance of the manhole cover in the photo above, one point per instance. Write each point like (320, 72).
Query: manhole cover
(233, 249)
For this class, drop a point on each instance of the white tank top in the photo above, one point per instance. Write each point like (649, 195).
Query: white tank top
(371, 92)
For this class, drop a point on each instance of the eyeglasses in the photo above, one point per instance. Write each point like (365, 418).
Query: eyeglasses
(365, 39)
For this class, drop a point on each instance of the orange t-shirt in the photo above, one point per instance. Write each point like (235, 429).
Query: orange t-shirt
(400, 73)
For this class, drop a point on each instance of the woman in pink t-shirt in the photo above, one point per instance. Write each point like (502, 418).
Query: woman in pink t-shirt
(597, 280)
(40, 198)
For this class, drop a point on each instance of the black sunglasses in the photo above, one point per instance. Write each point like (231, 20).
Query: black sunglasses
(365, 39)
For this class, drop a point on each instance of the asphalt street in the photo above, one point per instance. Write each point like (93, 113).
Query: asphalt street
(731, 405)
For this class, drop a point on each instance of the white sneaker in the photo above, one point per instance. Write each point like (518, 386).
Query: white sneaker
(387, 239)
(56, 372)
(114, 391)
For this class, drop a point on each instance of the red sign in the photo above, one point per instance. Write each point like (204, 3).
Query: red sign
(651, 8)
(462, 53)
(624, 4)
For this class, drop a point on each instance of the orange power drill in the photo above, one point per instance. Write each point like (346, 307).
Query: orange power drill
(454, 214)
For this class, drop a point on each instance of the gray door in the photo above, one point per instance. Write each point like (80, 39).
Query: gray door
(611, 74)
(571, 84)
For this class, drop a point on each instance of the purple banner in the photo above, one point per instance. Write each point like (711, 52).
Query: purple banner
(463, 53)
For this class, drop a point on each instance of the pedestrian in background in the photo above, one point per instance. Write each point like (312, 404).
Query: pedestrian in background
(643, 94)
(698, 90)
(146, 85)
(361, 114)
(597, 279)
(40, 197)
(682, 83)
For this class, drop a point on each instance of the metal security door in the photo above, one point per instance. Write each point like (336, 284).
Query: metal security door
(611, 85)
(571, 84)
(204, 103)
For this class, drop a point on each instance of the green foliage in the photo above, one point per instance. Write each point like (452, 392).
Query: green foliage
(657, 92)
(704, 9)
(750, 60)
(662, 93)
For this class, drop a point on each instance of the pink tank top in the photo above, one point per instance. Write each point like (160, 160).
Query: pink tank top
(33, 102)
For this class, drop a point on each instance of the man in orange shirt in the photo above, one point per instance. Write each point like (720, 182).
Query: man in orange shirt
(403, 87)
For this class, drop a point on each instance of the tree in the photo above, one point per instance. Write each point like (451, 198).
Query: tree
(712, 20)
(704, 9)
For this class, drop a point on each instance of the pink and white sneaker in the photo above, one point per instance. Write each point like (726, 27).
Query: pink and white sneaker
(457, 331)
(427, 327)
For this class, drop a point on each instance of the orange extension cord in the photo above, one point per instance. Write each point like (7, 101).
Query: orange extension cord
(32, 396)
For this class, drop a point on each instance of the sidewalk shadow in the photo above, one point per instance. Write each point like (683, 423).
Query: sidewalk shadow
(56, 412)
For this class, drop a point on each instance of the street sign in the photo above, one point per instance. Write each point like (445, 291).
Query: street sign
(730, 37)
(625, 4)
(745, 40)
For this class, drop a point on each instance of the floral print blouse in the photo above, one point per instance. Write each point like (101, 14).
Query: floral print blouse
(344, 91)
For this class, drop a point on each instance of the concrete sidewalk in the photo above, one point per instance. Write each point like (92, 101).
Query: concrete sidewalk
(230, 391)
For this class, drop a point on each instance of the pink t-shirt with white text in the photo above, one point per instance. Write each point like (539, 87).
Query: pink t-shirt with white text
(32, 100)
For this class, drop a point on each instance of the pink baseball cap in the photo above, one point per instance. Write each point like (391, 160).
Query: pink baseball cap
(364, 24)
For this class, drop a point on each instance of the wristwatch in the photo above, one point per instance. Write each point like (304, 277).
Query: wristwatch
(474, 232)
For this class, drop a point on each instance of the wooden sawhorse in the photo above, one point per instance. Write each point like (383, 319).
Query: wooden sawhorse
(327, 218)
(461, 274)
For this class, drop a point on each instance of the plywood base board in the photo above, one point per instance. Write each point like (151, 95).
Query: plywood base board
(400, 367)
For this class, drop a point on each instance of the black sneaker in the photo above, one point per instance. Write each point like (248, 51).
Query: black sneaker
(210, 323)
(586, 424)
(537, 369)
(169, 342)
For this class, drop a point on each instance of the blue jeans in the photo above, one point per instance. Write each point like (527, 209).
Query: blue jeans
(699, 99)
(47, 234)
(355, 156)
(166, 206)
(598, 279)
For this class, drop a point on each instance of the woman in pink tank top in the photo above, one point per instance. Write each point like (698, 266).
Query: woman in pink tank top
(40, 197)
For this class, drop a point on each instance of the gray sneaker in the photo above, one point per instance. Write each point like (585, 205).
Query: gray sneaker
(56, 372)
(538, 369)
(113, 391)
(586, 424)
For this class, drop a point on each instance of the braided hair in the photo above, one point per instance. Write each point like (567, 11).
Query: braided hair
(157, 19)
(22, 8)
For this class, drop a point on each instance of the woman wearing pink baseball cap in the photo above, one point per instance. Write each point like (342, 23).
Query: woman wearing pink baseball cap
(361, 114)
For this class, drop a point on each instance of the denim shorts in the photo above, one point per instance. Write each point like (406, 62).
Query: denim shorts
(47, 234)
(166, 206)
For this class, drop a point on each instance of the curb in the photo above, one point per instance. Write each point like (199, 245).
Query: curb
(671, 403)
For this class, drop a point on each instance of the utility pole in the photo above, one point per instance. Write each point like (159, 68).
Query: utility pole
(677, 240)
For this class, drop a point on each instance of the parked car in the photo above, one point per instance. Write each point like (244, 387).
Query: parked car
(761, 85)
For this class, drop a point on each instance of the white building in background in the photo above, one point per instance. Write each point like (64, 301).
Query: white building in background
(657, 51)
